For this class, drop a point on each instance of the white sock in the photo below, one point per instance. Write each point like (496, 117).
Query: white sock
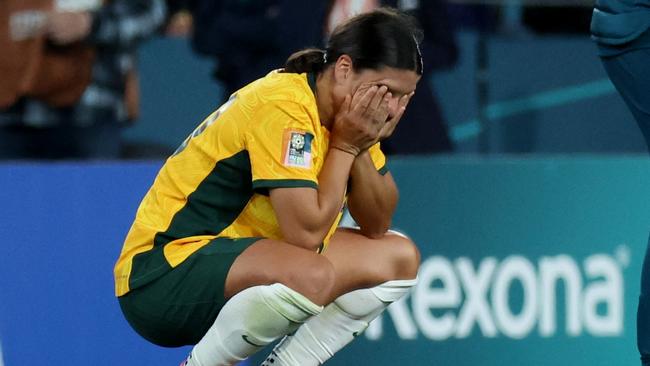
(338, 324)
(249, 321)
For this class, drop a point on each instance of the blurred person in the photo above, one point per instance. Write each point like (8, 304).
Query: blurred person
(236, 243)
(68, 78)
(179, 21)
(621, 28)
(423, 129)
(248, 38)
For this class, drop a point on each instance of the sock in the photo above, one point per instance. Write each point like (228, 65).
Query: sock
(249, 321)
(338, 324)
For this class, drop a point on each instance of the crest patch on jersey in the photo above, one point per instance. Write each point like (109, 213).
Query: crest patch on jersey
(296, 148)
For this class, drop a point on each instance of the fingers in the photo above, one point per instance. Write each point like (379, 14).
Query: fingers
(383, 110)
(346, 103)
(403, 102)
(378, 98)
(391, 124)
(369, 109)
(362, 104)
(373, 105)
(405, 99)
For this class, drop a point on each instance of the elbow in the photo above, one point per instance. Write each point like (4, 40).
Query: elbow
(377, 230)
(373, 234)
(305, 239)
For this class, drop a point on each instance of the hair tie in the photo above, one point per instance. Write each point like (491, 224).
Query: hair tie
(325, 57)
(417, 47)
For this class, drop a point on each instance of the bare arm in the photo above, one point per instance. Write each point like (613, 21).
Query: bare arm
(373, 197)
(305, 215)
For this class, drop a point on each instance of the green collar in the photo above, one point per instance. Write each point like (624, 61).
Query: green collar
(311, 80)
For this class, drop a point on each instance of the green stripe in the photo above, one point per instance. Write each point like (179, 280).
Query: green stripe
(383, 170)
(213, 206)
(283, 183)
(147, 267)
(311, 80)
(553, 98)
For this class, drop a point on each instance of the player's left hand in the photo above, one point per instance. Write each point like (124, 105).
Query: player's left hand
(390, 125)
(68, 27)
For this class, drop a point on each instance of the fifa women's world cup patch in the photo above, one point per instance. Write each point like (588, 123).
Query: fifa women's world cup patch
(296, 148)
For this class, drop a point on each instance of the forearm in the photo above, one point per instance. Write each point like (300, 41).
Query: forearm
(333, 180)
(306, 216)
(373, 197)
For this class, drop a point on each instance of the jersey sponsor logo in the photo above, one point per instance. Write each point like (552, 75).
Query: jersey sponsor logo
(296, 148)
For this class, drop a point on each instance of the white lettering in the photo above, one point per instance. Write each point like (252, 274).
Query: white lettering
(451, 299)
(426, 298)
(553, 269)
(513, 325)
(476, 286)
(608, 292)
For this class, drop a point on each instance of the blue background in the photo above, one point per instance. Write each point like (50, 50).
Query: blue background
(62, 227)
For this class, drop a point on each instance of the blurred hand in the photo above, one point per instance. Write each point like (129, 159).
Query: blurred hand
(68, 27)
(360, 119)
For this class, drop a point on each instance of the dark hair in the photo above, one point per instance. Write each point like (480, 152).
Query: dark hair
(382, 37)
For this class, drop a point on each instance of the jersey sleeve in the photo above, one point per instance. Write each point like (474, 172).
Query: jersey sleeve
(280, 143)
(378, 158)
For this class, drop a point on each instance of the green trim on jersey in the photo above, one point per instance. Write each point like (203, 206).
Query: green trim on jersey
(196, 286)
(283, 183)
(148, 266)
(383, 170)
(311, 80)
(212, 207)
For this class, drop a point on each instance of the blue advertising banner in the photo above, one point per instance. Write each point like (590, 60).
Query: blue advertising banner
(524, 262)
(61, 227)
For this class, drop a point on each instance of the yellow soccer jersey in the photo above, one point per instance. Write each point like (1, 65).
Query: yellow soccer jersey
(216, 184)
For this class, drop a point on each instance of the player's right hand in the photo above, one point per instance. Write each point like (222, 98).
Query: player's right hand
(359, 121)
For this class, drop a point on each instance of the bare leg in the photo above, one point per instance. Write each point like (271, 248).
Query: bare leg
(270, 261)
(370, 275)
(351, 261)
(361, 262)
(272, 288)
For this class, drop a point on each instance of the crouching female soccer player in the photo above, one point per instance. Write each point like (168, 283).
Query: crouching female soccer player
(236, 243)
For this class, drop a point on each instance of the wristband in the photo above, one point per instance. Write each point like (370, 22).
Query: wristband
(344, 150)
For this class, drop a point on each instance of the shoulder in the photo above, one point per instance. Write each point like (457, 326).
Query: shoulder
(282, 93)
(278, 86)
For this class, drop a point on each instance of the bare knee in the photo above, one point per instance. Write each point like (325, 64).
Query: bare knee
(313, 278)
(405, 256)
(268, 262)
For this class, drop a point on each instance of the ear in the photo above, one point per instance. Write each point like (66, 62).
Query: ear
(343, 69)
